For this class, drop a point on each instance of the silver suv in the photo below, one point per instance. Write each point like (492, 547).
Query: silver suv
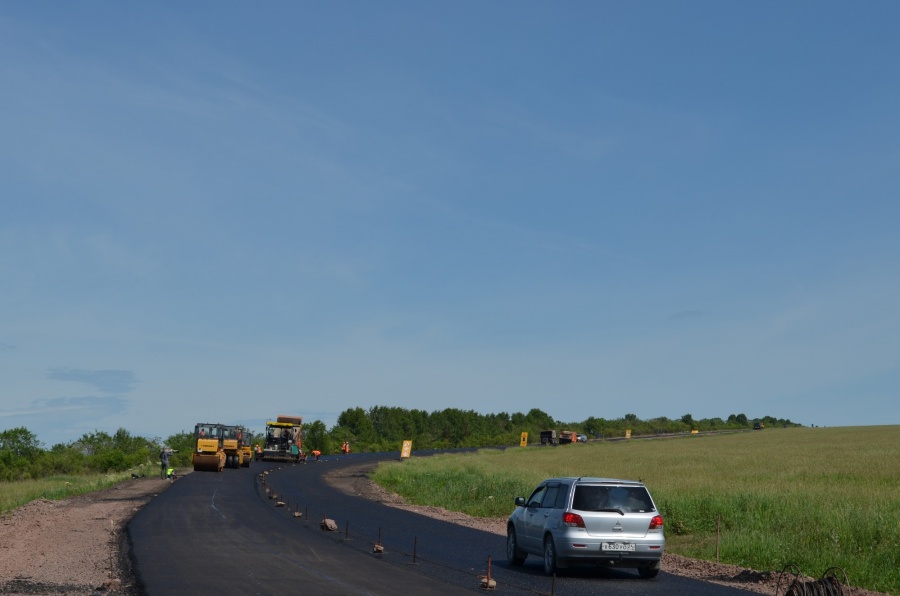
(601, 521)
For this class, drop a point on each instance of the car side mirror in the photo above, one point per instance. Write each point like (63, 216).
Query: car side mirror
(520, 501)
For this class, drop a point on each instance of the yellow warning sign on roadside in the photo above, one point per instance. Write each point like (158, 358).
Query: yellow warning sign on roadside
(407, 449)
(523, 442)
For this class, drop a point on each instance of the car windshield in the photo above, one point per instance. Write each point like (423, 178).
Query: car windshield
(621, 499)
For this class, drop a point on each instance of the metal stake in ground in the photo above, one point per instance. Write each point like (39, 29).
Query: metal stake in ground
(378, 548)
(415, 550)
(486, 582)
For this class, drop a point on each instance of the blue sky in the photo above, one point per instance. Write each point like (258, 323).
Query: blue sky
(218, 211)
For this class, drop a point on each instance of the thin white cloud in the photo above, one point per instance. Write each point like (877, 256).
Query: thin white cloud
(108, 381)
(56, 408)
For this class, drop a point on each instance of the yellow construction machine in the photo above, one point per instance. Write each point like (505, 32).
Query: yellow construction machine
(247, 447)
(208, 453)
(284, 439)
(232, 445)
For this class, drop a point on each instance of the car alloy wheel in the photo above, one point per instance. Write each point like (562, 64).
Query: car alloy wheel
(549, 556)
(513, 554)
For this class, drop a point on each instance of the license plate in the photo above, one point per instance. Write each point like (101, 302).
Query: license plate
(617, 546)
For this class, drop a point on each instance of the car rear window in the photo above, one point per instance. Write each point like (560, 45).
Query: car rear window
(629, 499)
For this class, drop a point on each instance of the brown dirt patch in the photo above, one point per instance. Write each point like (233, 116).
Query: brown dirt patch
(73, 546)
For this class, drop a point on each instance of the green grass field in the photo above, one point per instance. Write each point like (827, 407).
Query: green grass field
(813, 497)
(16, 494)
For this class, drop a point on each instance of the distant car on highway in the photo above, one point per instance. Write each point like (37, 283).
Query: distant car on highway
(599, 521)
(582, 438)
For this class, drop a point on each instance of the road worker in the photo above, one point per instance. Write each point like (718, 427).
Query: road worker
(163, 463)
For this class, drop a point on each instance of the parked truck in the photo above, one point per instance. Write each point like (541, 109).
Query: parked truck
(568, 436)
(548, 437)
(208, 452)
(284, 439)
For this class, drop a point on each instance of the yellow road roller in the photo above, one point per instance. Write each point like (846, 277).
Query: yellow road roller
(247, 447)
(208, 454)
(232, 443)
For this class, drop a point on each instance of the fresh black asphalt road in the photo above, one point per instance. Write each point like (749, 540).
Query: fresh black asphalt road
(220, 533)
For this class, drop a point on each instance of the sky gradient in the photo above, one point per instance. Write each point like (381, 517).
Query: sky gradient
(217, 211)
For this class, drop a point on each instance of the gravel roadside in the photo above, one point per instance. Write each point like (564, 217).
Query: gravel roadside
(74, 546)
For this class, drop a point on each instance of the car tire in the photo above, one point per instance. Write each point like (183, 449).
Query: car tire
(513, 555)
(550, 559)
(649, 571)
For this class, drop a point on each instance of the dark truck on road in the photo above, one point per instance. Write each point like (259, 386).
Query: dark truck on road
(549, 437)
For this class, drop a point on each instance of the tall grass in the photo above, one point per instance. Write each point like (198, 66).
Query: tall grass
(18, 493)
(813, 497)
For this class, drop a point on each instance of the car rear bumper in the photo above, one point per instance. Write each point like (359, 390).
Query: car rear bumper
(580, 551)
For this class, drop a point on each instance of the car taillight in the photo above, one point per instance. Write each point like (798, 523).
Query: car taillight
(656, 522)
(574, 520)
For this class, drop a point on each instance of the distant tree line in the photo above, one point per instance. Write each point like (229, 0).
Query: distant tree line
(23, 457)
(380, 428)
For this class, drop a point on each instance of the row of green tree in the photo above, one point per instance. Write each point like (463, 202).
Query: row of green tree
(382, 428)
(377, 429)
(23, 457)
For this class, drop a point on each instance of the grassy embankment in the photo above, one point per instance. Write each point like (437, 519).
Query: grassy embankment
(16, 494)
(813, 497)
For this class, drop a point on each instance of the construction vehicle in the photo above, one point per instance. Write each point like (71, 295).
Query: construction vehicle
(232, 445)
(568, 436)
(548, 437)
(208, 453)
(284, 440)
(247, 447)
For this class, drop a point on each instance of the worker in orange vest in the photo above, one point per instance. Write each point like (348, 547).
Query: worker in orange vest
(316, 453)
